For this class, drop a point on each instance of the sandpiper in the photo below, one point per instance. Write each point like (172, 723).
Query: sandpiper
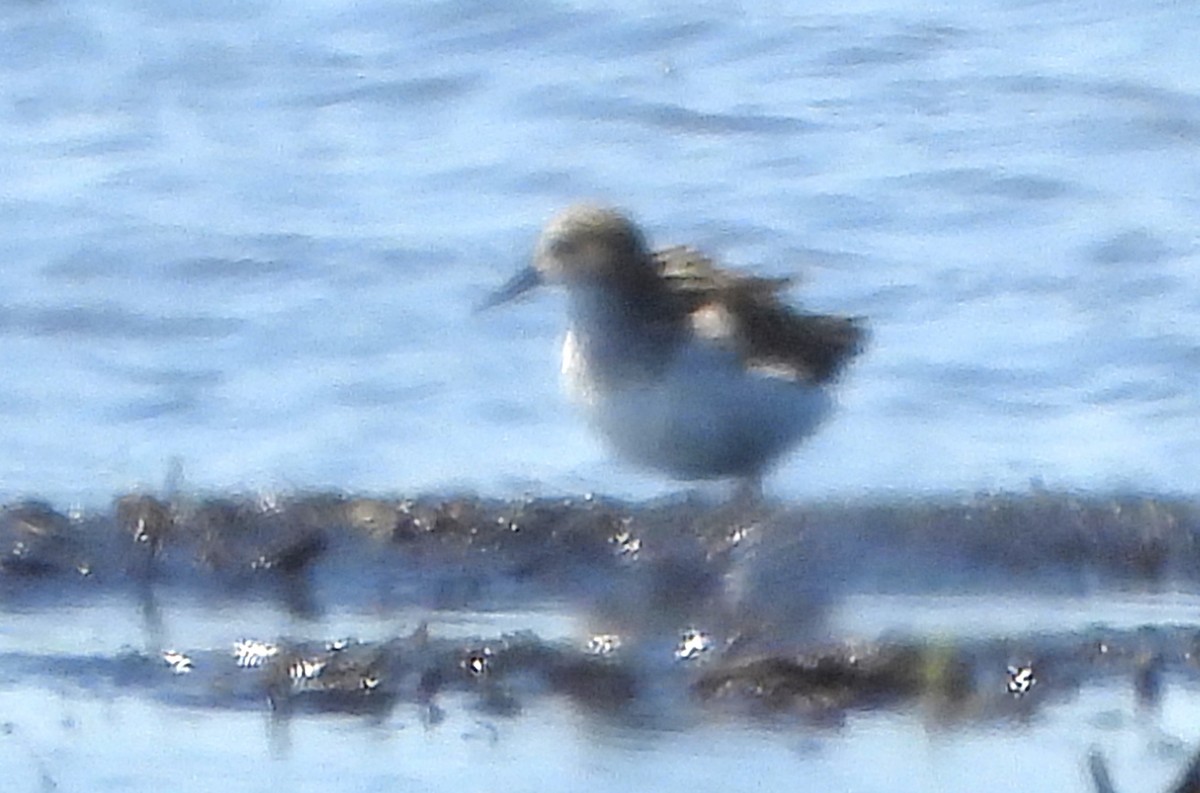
(682, 367)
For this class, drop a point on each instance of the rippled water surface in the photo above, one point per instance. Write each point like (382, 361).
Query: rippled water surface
(312, 755)
(248, 237)
(240, 243)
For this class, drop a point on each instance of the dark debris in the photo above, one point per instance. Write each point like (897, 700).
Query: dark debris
(747, 582)
(899, 546)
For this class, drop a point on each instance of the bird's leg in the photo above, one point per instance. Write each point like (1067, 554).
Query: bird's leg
(748, 492)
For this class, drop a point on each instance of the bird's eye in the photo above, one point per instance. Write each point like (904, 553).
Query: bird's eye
(564, 247)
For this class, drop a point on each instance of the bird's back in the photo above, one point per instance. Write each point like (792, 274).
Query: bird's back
(761, 327)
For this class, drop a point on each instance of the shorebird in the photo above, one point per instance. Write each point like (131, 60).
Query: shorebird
(695, 371)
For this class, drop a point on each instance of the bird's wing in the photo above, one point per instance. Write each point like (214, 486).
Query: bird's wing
(813, 348)
(693, 276)
(746, 313)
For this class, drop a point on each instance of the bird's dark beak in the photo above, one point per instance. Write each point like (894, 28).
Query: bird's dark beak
(519, 284)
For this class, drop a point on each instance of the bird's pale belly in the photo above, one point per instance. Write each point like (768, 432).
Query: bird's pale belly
(704, 418)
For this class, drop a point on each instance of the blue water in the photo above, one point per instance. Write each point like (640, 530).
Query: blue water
(245, 238)
(309, 755)
(240, 243)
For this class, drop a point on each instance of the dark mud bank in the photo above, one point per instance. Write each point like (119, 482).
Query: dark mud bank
(687, 604)
(1057, 540)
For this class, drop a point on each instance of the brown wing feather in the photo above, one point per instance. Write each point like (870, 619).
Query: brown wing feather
(690, 272)
(767, 332)
(814, 346)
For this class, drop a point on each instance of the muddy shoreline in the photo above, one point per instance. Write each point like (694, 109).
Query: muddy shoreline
(721, 605)
(986, 542)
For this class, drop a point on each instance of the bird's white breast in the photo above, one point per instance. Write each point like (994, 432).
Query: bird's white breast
(704, 415)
